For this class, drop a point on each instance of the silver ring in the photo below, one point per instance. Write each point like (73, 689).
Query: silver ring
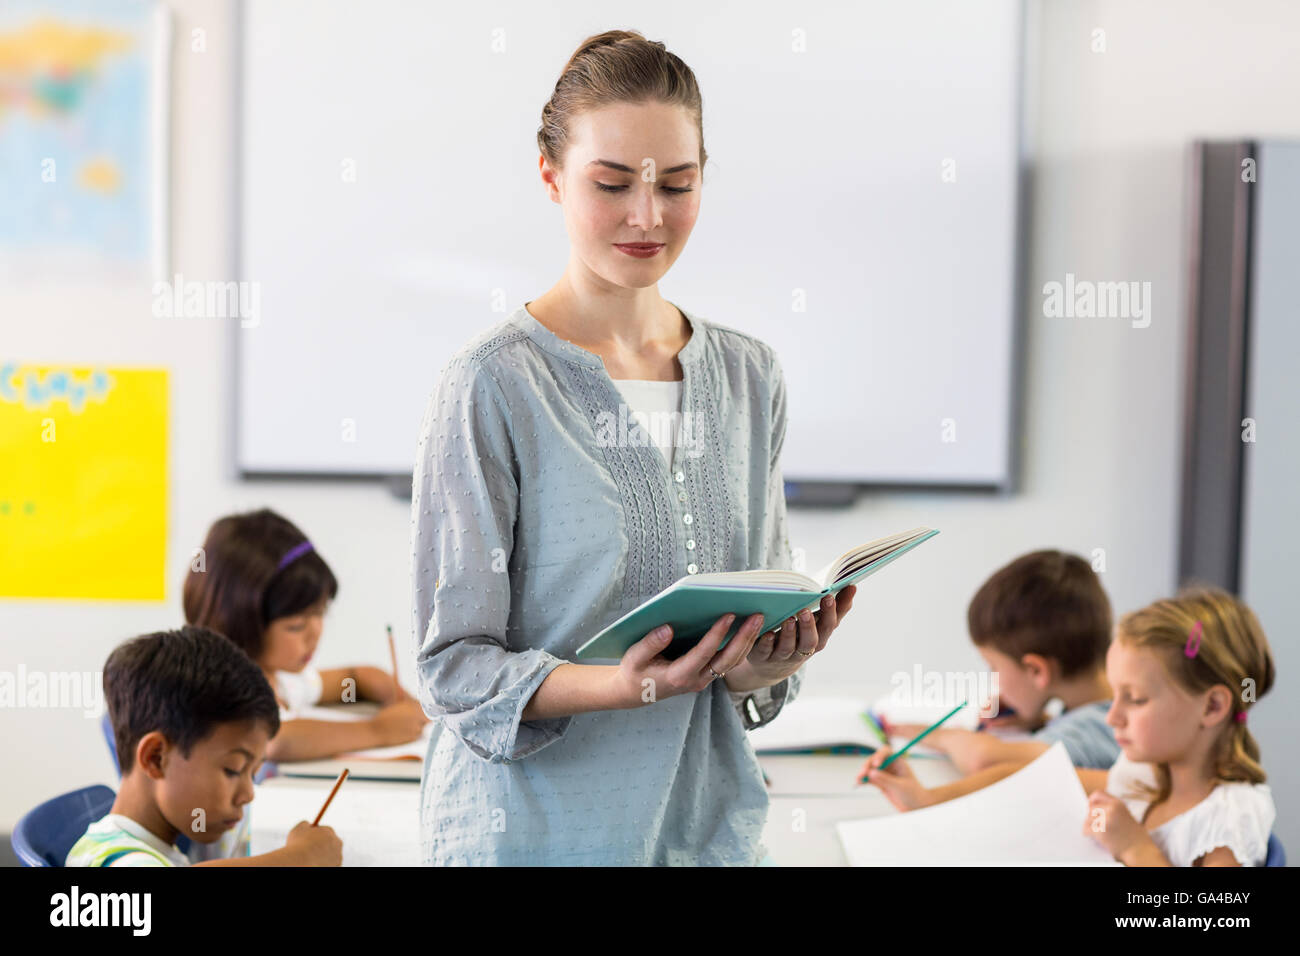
(715, 673)
(805, 653)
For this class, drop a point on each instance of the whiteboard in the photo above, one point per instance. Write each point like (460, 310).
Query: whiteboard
(391, 208)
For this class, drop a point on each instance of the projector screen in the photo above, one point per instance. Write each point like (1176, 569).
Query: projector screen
(858, 212)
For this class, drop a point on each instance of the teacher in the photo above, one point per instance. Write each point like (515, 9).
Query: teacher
(538, 519)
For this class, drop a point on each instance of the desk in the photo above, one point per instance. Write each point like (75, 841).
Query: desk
(379, 821)
(810, 793)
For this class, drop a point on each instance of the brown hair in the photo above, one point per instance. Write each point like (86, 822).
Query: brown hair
(183, 684)
(1232, 651)
(242, 588)
(1048, 603)
(617, 66)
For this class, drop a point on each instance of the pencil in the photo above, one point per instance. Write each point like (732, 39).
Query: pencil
(870, 720)
(337, 783)
(911, 743)
(392, 653)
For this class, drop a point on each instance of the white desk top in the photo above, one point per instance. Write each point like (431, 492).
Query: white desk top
(378, 821)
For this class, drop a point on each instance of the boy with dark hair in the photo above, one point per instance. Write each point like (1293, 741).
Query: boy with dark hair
(1043, 625)
(192, 716)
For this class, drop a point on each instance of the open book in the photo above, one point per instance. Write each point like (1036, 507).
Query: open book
(694, 603)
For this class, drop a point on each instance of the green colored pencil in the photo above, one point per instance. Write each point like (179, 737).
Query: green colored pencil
(876, 729)
(915, 740)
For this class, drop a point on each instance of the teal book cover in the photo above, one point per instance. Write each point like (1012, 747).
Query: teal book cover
(693, 604)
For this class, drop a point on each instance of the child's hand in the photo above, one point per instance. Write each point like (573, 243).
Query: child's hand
(897, 782)
(400, 723)
(907, 731)
(1012, 722)
(315, 846)
(1110, 824)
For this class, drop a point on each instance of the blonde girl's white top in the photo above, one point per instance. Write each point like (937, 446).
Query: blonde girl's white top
(1237, 815)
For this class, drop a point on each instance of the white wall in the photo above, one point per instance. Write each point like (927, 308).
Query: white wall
(1102, 400)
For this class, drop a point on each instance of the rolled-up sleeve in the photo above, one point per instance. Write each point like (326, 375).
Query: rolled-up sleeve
(464, 501)
(759, 707)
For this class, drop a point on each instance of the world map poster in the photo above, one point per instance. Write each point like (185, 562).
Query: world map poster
(82, 83)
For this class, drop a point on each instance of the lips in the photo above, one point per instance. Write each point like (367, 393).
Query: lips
(640, 250)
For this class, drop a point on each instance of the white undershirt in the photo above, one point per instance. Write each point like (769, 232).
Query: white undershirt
(656, 407)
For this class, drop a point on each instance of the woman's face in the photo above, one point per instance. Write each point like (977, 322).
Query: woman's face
(631, 175)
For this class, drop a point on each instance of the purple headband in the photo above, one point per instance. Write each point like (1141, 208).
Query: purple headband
(294, 553)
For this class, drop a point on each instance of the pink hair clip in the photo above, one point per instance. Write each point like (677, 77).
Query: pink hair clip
(1241, 717)
(1193, 640)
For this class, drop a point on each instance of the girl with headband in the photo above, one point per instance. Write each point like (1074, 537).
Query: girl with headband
(1188, 788)
(263, 584)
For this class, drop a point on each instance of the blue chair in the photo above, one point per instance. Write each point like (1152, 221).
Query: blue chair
(1276, 855)
(45, 835)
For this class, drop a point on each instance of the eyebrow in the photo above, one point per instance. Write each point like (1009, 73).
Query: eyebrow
(628, 169)
(241, 750)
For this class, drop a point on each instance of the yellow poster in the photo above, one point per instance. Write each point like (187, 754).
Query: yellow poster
(83, 488)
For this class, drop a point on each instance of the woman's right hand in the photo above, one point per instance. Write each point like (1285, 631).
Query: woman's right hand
(400, 723)
(644, 675)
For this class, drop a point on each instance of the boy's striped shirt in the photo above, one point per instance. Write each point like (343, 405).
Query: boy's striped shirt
(116, 840)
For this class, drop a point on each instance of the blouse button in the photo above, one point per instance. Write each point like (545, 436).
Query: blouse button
(680, 476)
(690, 545)
(687, 519)
(691, 569)
(681, 496)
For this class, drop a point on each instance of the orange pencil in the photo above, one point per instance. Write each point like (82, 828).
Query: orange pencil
(337, 783)
(392, 653)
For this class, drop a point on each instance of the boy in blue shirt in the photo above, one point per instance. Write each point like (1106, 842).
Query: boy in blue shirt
(1043, 625)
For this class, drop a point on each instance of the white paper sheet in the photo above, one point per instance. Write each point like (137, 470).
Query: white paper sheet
(379, 823)
(1034, 817)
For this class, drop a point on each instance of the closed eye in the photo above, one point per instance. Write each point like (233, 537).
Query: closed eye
(614, 189)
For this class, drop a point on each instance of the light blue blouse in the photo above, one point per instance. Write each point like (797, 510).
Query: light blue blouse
(539, 516)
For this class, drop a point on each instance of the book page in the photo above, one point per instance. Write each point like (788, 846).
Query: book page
(859, 557)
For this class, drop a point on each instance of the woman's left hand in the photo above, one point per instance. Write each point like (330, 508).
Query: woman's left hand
(779, 653)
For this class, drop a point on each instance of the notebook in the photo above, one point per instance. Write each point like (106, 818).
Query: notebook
(694, 603)
(811, 724)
